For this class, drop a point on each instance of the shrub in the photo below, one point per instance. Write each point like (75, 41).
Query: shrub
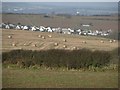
(100, 58)
(74, 59)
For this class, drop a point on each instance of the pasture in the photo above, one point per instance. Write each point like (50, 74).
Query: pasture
(14, 77)
(29, 40)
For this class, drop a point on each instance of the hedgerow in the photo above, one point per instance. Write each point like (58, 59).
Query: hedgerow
(75, 59)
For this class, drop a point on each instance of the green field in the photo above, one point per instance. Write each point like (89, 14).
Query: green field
(43, 78)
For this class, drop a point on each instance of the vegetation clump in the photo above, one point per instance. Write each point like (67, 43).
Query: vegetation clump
(71, 59)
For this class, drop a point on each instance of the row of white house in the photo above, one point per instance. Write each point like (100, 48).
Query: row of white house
(58, 29)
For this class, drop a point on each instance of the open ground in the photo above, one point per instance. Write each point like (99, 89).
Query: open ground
(30, 41)
(98, 22)
(41, 78)
(15, 77)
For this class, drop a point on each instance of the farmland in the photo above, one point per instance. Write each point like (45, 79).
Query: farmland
(41, 78)
(27, 39)
(98, 22)
(16, 77)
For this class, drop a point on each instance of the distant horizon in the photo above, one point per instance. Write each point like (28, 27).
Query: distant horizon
(81, 8)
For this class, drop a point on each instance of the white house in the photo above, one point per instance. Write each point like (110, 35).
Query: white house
(58, 30)
(7, 27)
(18, 27)
(37, 29)
(105, 34)
(48, 29)
(25, 28)
(12, 26)
(65, 31)
(71, 31)
(85, 25)
(42, 29)
(79, 30)
(22, 27)
(80, 33)
(33, 28)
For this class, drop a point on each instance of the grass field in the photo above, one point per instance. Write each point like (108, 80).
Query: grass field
(42, 78)
(30, 38)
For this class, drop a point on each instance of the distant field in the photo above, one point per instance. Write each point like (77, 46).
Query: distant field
(98, 22)
(42, 78)
(27, 40)
(30, 38)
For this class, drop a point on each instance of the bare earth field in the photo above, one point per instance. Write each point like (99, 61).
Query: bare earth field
(98, 22)
(27, 40)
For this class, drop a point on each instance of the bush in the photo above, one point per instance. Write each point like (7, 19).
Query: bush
(100, 58)
(74, 59)
(115, 56)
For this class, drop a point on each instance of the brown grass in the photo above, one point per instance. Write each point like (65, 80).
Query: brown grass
(99, 22)
(42, 78)
(26, 40)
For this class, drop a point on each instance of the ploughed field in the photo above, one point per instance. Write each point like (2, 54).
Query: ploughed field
(98, 22)
(29, 40)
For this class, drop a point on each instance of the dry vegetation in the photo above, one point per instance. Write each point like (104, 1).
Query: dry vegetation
(30, 41)
(42, 78)
(98, 22)
(13, 76)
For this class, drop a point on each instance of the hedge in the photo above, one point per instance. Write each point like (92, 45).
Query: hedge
(58, 58)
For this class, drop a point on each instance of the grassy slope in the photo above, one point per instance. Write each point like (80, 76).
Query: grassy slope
(42, 78)
(30, 38)
(22, 78)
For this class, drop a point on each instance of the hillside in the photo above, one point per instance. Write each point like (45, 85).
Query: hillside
(98, 22)
(30, 41)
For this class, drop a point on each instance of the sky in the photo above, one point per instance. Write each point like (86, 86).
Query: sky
(59, 0)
